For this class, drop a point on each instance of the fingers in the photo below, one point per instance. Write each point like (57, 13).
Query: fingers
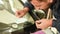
(19, 14)
(43, 23)
(41, 26)
(38, 22)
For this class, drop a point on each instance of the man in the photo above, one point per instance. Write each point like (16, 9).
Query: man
(38, 5)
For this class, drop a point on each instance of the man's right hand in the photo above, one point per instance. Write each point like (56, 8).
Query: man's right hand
(20, 13)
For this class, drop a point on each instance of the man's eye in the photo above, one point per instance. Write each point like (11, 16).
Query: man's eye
(39, 0)
(42, 0)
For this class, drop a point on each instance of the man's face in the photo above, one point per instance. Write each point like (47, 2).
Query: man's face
(42, 4)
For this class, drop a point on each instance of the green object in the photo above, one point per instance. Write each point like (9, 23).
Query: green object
(40, 14)
(4, 27)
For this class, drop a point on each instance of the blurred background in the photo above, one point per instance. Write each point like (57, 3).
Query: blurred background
(8, 9)
(8, 21)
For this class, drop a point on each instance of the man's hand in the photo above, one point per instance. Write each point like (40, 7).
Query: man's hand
(43, 23)
(20, 13)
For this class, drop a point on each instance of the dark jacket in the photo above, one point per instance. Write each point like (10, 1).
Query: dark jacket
(56, 12)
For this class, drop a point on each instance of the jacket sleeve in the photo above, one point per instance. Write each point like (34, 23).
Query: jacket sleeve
(56, 24)
(29, 5)
(56, 13)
